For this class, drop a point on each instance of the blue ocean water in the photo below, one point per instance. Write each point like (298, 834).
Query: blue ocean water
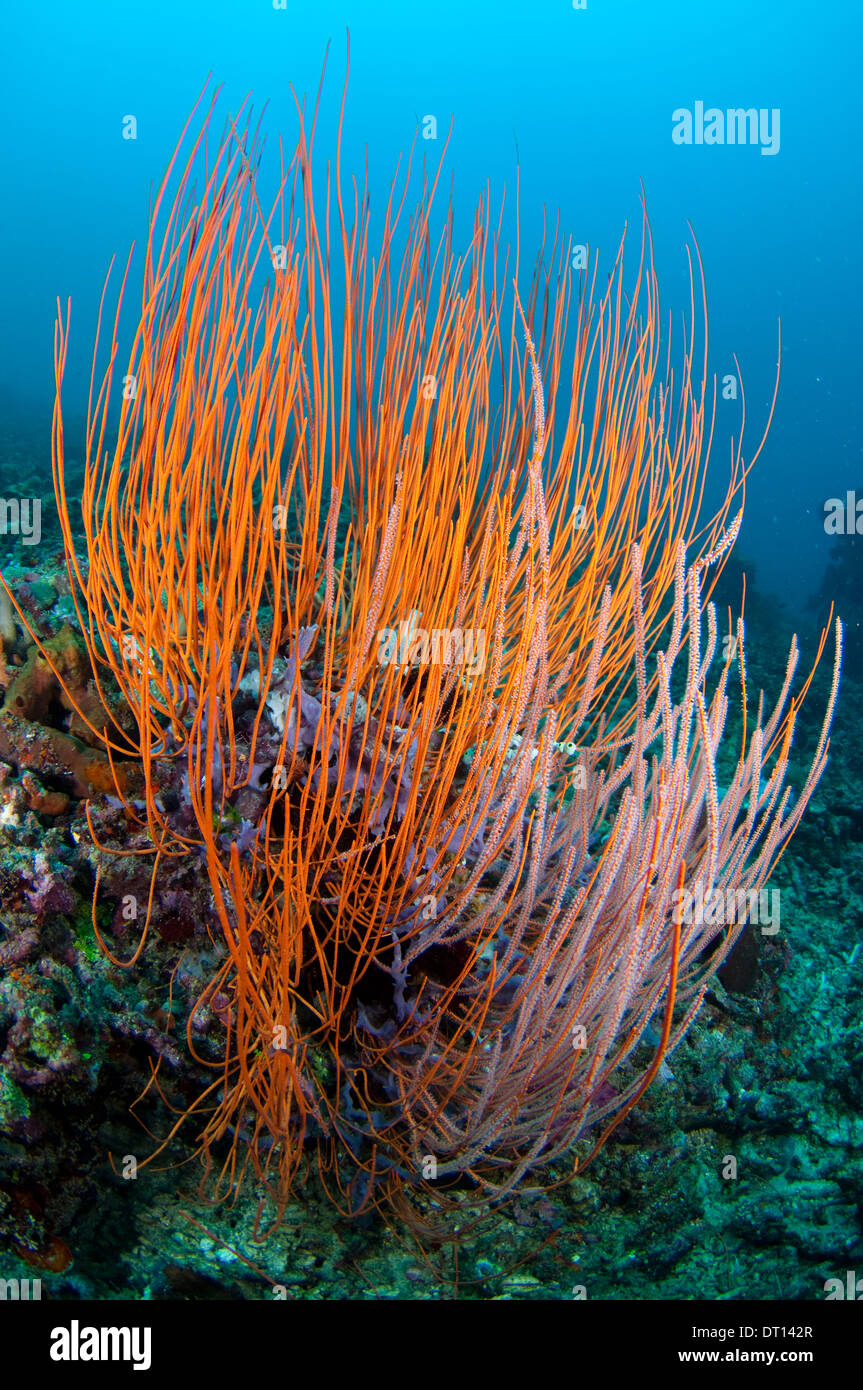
(587, 97)
(587, 102)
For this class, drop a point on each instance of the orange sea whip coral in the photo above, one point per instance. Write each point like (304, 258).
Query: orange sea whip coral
(337, 477)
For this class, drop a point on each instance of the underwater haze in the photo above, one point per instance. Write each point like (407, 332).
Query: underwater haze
(584, 96)
(536, 979)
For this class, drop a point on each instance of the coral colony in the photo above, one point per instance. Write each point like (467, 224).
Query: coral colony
(392, 599)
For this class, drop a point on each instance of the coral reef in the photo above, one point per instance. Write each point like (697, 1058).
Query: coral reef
(387, 752)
